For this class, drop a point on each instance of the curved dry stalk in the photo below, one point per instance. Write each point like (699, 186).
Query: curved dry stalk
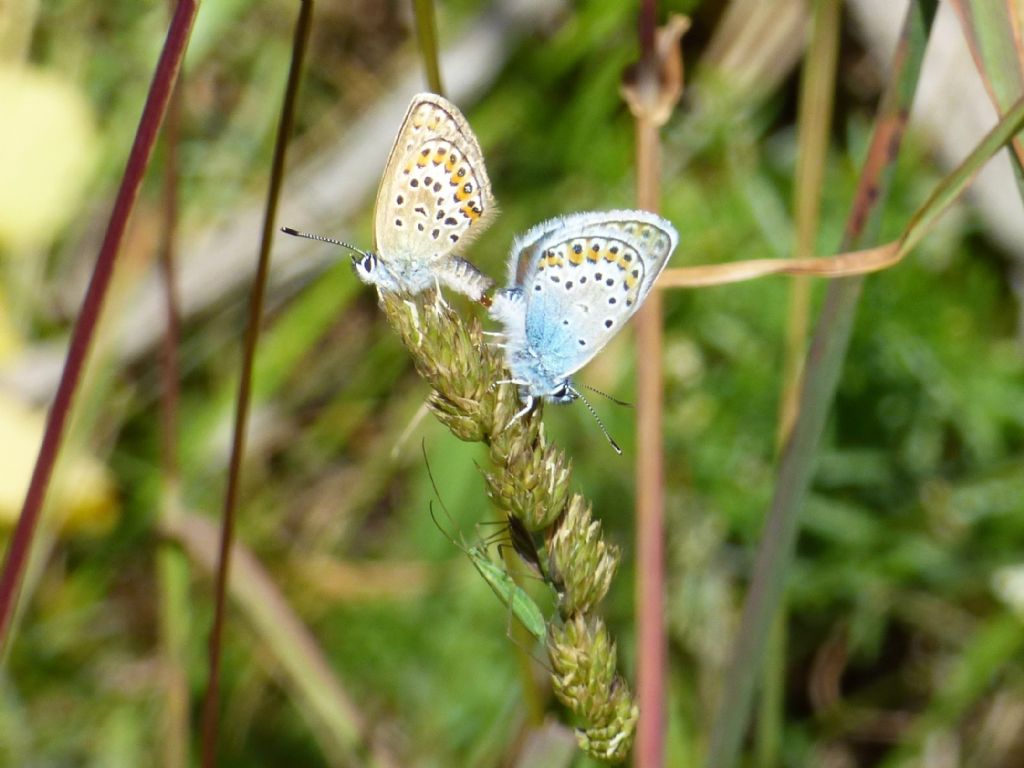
(840, 265)
(529, 479)
(867, 260)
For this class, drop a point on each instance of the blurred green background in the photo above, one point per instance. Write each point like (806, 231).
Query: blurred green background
(906, 600)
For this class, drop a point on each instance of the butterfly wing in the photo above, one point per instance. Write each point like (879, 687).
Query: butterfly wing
(586, 278)
(435, 194)
(658, 236)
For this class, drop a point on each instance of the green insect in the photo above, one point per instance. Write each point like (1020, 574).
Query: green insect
(501, 582)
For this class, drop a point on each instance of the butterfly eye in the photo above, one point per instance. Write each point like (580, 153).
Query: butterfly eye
(563, 393)
(365, 264)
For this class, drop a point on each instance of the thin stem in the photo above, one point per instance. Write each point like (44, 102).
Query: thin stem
(172, 568)
(773, 693)
(211, 701)
(814, 124)
(85, 326)
(815, 121)
(652, 650)
(426, 35)
(650, 494)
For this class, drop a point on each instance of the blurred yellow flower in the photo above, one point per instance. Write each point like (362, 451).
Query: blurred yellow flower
(47, 151)
(82, 494)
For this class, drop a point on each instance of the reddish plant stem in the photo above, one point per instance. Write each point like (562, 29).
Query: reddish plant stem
(647, 30)
(650, 460)
(211, 702)
(88, 317)
(650, 499)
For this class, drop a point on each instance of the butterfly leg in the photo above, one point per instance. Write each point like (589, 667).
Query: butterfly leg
(500, 343)
(415, 314)
(526, 409)
(439, 303)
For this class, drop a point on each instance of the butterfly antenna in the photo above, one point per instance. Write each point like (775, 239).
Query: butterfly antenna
(614, 445)
(437, 493)
(322, 239)
(605, 394)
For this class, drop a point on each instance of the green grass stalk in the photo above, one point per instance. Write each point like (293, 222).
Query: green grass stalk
(426, 36)
(172, 567)
(532, 693)
(817, 87)
(993, 30)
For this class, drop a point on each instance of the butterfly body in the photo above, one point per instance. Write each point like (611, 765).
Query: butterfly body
(398, 274)
(575, 281)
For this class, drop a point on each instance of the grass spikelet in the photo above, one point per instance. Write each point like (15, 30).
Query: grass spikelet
(529, 479)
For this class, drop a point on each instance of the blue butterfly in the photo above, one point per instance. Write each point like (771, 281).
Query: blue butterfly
(574, 282)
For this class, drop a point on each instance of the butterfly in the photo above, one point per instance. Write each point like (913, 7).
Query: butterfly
(434, 197)
(574, 282)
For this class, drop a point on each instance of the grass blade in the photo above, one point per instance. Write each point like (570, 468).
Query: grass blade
(426, 35)
(817, 89)
(993, 29)
(824, 363)
(954, 184)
